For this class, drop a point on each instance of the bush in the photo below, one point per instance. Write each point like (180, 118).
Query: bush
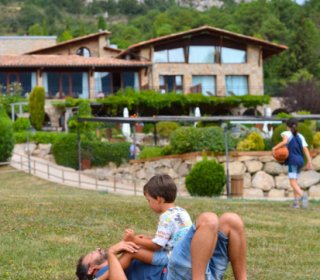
(316, 140)
(101, 153)
(184, 140)
(190, 139)
(65, 150)
(39, 137)
(164, 129)
(206, 178)
(36, 107)
(212, 139)
(6, 136)
(150, 152)
(302, 128)
(253, 142)
(21, 124)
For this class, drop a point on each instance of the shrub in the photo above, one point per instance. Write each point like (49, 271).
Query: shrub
(190, 139)
(302, 128)
(316, 140)
(184, 140)
(212, 139)
(206, 178)
(6, 136)
(104, 152)
(166, 128)
(21, 124)
(36, 107)
(150, 152)
(65, 150)
(253, 142)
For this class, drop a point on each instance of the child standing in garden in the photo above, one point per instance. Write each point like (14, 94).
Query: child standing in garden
(297, 147)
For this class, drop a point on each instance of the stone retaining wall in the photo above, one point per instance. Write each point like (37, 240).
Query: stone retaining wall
(263, 176)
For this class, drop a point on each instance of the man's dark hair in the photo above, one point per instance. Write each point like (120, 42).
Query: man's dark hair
(82, 270)
(161, 185)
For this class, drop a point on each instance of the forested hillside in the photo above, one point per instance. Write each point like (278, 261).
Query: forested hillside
(131, 21)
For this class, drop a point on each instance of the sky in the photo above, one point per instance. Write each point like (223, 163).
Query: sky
(300, 1)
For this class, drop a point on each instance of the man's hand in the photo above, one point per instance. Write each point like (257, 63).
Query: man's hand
(128, 235)
(123, 246)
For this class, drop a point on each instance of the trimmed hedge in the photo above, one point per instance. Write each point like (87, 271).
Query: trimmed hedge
(206, 178)
(65, 151)
(40, 137)
(6, 136)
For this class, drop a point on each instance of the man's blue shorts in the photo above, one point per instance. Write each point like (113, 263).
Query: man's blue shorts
(179, 267)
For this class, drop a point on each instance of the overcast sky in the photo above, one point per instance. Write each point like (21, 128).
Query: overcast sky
(300, 1)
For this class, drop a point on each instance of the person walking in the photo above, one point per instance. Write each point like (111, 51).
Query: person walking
(297, 147)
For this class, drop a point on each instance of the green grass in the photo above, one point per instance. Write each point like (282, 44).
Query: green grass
(45, 227)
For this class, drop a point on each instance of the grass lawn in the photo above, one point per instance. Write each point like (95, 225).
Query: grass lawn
(45, 227)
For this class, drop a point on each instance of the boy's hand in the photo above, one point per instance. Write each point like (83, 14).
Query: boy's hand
(128, 235)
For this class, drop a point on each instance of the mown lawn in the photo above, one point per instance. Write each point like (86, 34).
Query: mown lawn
(45, 227)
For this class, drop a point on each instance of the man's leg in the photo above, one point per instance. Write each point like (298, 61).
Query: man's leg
(203, 243)
(232, 226)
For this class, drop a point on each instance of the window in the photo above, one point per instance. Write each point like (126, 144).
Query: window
(170, 83)
(201, 54)
(236, 85)
(102, 81)
(233, 56)
(169, 56)
(59, 85)
(204, 84)
(27, 81)
(83, 51)
(130, 79)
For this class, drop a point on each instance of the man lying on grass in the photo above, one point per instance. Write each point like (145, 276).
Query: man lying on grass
(204, 253)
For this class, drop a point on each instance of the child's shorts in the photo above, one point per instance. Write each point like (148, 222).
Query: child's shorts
(293, 171)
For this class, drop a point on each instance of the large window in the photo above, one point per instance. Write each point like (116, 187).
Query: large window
(25, 80)
(170, 83)
(204, 84)
(236, 85)
(233, 56)
(106, 82)
(60, 85)
(169, 56)
(201, 54)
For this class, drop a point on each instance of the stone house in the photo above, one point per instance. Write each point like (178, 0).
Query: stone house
(208, 60)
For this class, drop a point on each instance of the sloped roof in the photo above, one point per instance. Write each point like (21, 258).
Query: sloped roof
(268, 47)
(24, 61)
(78, 39)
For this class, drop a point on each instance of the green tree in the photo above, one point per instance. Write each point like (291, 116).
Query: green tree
(36, 107)
(102, 25)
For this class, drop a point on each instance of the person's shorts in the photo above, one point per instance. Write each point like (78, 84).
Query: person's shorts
(160, 258)
(179, 267)
(293, 171)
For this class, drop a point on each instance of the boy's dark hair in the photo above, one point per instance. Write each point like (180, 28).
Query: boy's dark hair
(293, 124)
(161, 185)
(82, 270)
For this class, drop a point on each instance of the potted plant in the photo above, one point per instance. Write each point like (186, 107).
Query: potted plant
(85, 160)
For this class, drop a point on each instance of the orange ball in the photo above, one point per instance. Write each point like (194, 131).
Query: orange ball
(281, 154)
